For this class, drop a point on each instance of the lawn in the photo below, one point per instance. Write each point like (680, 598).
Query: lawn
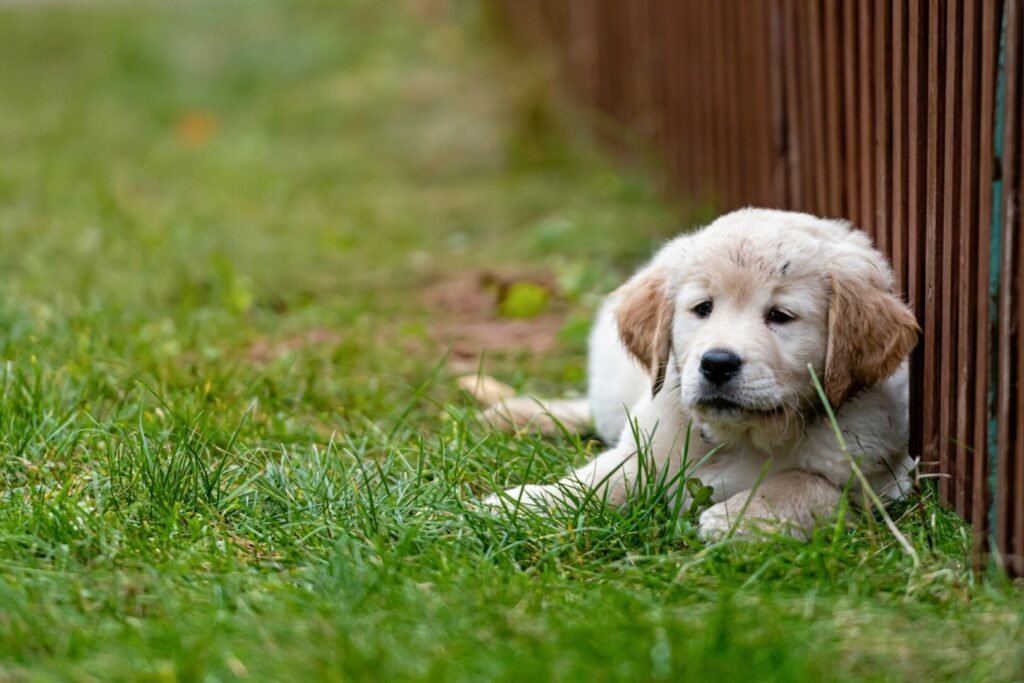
(247, 247)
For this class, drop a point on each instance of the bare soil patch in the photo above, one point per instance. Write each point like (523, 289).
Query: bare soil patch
(469, 320)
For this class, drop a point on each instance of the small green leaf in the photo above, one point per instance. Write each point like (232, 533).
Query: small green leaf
(524, 300)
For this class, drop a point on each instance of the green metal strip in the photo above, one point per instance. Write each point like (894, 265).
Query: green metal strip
(994, 281)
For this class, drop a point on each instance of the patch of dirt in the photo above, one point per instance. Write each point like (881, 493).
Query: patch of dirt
(469, 324)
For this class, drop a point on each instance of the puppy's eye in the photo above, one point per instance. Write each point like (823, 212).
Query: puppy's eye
(778, 317)
(703, 309)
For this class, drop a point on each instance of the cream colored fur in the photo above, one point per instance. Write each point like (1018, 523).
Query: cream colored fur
(782, 291)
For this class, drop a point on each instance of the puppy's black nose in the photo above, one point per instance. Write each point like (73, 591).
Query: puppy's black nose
(719, 365)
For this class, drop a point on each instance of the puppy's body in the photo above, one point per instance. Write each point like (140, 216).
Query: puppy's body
(717, 332)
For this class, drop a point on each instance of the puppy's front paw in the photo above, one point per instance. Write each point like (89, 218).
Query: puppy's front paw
(715, 522)
(533, 496)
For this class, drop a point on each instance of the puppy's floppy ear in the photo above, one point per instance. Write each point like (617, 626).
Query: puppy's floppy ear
(870, 332)
(644, 314)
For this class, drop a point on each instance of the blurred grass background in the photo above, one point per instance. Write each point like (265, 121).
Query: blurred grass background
(238, 242)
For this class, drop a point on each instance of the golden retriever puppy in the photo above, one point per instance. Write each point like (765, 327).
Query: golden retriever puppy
(719, 332)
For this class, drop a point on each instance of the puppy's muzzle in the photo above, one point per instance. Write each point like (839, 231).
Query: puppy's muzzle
(718, 366)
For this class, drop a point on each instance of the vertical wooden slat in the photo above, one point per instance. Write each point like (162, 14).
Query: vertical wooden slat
(714, 143)
(883, 116)
(760, 79)
(866, 149)
(681, 111)
(583, 49)
(607, 81)
(932, 237)
(850, 109)
(704, 100)
(794, 118)
(947, 285)
(729, 115)
(748, 187)
(781, 177)
(968, 230)
(991, 16)
(641, 41)
(752, 75)
(898, 225)
(725, 118)
(616, 94)
(831, 36)
(808, 98)
(657, 30)
(814, 96)
(917, 105)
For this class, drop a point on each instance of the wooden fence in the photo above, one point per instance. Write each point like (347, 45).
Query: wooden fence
(902, 115)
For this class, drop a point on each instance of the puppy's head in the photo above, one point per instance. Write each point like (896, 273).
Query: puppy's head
(746, 304)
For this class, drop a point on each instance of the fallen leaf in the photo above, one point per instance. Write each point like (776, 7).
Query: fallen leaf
(195, 128)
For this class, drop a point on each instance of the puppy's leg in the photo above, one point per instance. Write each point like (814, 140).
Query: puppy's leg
(608, 476)
(615, 473)
(546, 417)
(791, 502)
(512, 413)
(485, 389)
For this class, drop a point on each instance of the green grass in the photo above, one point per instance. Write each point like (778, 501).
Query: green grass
(231, 446)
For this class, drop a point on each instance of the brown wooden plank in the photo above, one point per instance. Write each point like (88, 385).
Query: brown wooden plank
(991, 16)
(883, 121)
(607, 80)
(659, 32)
(916, 127)
(946, 288)
(651, 37)
(799, 116)
(733, 105)
(583, 51)
(781, 177)
(616, 66)
(744, 174)
(693, 96)
(850, 110)
(708, 138)
(699, 98)
(674, 77)
(814, 99)
(865, 78)
(746, 93)
(898, 225)
(756, 120)
(761, 114)
(967, 257)
(687, 107)
(833, 77)
(794, 118)
(718, 56)
(932, 237)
